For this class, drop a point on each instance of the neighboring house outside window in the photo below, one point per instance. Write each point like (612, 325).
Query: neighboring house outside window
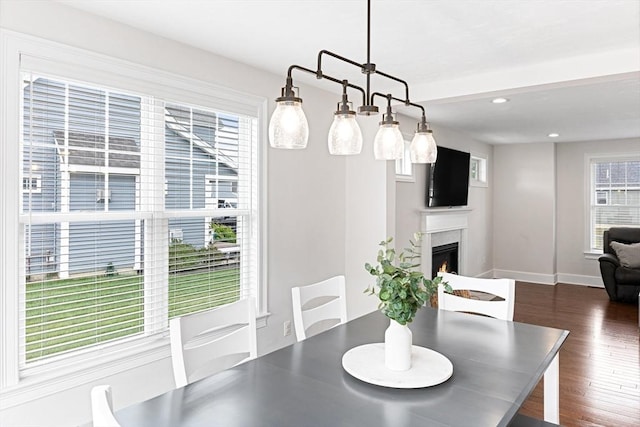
(114, 242)
(32, 184)
(614, 196)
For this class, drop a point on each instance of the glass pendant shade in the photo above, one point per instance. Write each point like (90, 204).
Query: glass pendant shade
(423, 148)
(345, 136)
(388, 143)
(288, 127)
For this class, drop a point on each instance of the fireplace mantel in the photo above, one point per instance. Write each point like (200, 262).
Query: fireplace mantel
(440, 221)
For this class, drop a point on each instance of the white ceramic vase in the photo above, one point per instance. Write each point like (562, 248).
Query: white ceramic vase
(397, 347)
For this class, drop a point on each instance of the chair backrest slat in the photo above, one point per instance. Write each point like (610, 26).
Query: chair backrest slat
(102, 407)
(333, 309)
(503, 288)
(213, 340)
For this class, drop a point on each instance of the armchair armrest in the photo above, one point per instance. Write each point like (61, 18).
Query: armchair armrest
(609, 258)
(608, 265)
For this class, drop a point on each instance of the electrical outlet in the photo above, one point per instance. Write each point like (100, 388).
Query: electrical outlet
(287, 328)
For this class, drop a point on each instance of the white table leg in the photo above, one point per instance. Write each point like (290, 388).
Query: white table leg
(552, 392)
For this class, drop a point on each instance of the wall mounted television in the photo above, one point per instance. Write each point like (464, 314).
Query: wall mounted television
(448, 179)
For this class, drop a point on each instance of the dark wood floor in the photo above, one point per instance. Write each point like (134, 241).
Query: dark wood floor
(599, 362)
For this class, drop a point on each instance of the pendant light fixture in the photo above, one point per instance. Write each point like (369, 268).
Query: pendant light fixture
(288, 127)
(345, 136)
(388, 143)
(423, 147)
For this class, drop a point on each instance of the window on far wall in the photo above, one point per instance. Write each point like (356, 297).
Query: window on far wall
(614, 196)
(478, 171)
(113, 241)
(404, 167)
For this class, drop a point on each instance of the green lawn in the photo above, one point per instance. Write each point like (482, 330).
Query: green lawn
(66, 314)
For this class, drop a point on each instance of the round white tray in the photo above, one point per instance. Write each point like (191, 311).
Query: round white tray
(428, 367)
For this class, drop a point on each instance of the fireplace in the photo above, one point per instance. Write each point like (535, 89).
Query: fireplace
(444, 227)
(444, 258)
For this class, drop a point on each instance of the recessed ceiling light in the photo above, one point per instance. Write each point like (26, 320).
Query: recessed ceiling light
(499, 100)
(553, 135)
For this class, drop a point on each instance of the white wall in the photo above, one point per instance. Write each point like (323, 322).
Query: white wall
(325, 214)
(368, 179)
(540, 203)
(410, 200)
(524, 198)
(573, 266)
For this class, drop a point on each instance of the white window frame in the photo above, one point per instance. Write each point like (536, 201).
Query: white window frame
(483, 168)
(589, 194)
(404, 168)
(92, 364)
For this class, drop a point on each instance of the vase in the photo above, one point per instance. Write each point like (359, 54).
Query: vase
(397, 347)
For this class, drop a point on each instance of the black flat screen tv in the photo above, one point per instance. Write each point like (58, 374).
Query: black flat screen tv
(448, 179)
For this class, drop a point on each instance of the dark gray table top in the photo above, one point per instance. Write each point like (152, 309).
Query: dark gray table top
(496, 365)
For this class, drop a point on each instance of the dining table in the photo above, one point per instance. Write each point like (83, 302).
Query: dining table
(496, 366)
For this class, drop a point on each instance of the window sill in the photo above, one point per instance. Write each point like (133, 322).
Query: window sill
(478, 184)
(405, 178)
(69, 372)
(74, 371)
(592, 255)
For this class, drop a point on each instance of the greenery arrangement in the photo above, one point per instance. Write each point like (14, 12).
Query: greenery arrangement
(402, 289)
(222, 232)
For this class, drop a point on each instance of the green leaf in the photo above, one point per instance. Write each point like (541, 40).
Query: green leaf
(401, 288)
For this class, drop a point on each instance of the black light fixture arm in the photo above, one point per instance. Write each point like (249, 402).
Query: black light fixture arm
(368, 68)
(423, 126)
(389, 97)
(319, 75)
(335, 55)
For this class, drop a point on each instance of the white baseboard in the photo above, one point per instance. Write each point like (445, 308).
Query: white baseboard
(546, 279)
(578, 279)
(486, 275)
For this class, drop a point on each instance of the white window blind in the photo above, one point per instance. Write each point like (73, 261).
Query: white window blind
(119, 174)
(614, 196)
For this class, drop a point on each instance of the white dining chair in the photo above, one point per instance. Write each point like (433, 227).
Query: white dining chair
(102, 407)
(330, 305)
(213, 340)
(500, 309)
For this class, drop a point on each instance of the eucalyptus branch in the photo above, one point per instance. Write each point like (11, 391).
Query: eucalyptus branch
(401, 289)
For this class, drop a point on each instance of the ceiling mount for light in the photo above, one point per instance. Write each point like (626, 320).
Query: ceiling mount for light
(288, 127)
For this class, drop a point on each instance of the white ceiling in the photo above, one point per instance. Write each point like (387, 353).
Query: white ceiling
(567, 66)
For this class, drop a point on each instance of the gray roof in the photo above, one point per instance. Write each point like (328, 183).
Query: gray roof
(88, 149)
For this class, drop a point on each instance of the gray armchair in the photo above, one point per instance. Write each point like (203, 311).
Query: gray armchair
(621, 283)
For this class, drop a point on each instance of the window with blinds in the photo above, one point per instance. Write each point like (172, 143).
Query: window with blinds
(134, 210)
(615, 196)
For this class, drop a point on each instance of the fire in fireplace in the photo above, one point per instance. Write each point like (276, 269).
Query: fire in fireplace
(444, 258)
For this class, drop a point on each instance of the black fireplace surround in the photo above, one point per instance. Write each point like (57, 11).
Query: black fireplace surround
(444, 254)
